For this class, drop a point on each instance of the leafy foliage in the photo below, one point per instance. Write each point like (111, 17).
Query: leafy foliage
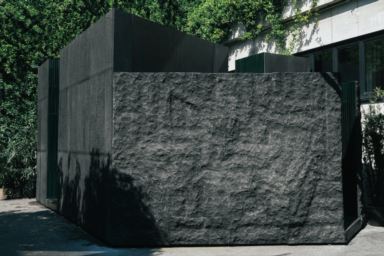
(32, 31)
(214, 19)
(373, 151)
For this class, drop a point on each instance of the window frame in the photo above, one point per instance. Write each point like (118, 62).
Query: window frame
(365, 92)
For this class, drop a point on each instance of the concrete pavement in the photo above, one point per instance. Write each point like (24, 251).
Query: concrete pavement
(27, 228)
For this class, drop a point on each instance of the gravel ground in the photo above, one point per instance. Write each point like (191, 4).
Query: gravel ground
(27, 228)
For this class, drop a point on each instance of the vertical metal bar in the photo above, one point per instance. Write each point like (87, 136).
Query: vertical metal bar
(363, 89)
(311, 62)
(351, 140)
(335, 60)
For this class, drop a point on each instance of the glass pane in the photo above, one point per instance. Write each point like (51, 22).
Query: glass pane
(374, 69)
(323, 61)
(349, 63)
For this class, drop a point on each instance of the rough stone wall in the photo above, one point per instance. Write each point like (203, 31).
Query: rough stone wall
(225, 159)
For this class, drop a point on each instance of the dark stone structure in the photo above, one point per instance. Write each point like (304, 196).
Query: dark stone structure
(230, 158)
(163, 158)
(117, 42)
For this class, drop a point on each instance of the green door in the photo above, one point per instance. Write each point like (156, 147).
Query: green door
(53, 104)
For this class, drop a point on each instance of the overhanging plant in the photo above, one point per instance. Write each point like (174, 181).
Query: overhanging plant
(373, 157)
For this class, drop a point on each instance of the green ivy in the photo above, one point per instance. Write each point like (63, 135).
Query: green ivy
(215, 19)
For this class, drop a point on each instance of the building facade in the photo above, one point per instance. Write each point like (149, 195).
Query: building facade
(346, 37)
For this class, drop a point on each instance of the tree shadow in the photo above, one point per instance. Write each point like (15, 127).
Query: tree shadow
(109, 205)
(70, 191)
(43, 232)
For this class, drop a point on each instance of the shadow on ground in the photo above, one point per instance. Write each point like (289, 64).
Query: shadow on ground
(26, 228)
(42, 232)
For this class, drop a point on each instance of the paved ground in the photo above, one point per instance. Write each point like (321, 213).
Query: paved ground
(26, 228)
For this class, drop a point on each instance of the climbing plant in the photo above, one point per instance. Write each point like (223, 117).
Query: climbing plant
(373, 150)
(215, 19)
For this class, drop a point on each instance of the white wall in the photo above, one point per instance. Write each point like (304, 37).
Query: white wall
(366, 108)
(346, 20)
(305, 5)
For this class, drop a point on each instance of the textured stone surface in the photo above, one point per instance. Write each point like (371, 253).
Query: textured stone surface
(152, 159)
(149, 159)
(225, 159)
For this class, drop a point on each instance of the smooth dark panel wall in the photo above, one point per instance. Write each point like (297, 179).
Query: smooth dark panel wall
(283, 63)
(48, 91)
(85, 120)
(85, 127)
(269, 63)
(144, 46)
(89, 54)
(42, 131)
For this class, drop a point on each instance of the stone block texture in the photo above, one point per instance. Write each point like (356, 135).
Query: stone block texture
(213, 159)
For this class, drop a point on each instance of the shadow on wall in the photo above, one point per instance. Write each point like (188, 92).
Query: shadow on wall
(109, 205)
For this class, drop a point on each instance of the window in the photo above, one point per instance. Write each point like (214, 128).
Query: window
(374, 64)
(359, 60)
(348, 58)
(323, 61)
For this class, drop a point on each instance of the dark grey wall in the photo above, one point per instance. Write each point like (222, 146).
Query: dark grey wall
(225, 159)
(85, 104)
(85, 120)
(126, 42)
(283, 63)
(42, 131)
(269, 63)
(47, 185)
(144, 46)
(85, 126)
